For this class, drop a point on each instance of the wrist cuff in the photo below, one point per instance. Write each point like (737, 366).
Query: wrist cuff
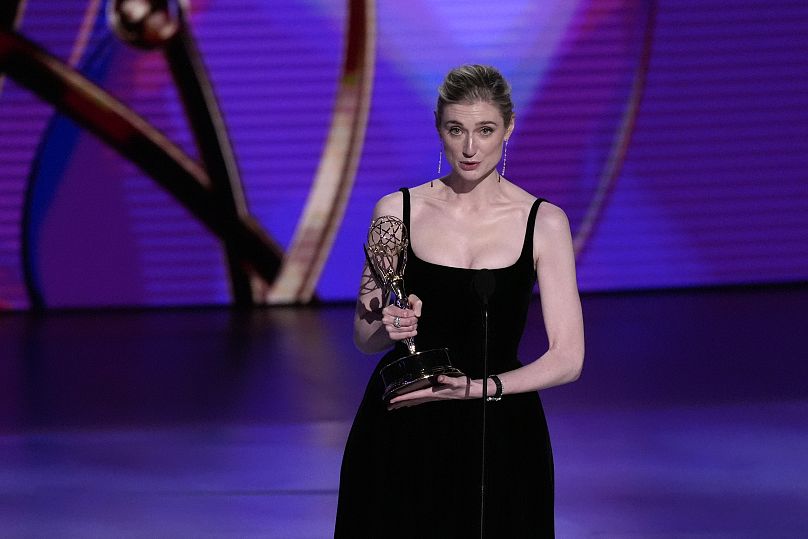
(498, 393)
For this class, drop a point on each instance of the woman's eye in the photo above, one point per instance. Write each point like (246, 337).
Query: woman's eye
(486, 130)
(454, 130)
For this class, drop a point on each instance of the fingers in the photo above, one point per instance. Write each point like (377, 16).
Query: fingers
(460, 385)
(407, 403)
(454, 382)
(448, 387)
(392, 310)
(400, 327)
(400, 323)
(415, 304)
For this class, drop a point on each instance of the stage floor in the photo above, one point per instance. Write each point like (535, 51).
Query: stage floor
(689, 419)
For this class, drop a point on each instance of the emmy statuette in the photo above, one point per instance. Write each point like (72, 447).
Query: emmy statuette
(386, 253)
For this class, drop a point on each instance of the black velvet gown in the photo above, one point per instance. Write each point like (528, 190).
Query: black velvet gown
(415, 472)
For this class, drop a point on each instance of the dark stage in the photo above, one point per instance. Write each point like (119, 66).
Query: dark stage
(688, 421)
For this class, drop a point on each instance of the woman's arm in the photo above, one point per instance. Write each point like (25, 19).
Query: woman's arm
(374, 328)
(561, 307)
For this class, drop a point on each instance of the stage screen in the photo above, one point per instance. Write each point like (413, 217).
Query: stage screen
(673, 133)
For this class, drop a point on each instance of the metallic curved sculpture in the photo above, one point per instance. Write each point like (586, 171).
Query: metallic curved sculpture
(617, 155)
(211, 191)
(328, 196)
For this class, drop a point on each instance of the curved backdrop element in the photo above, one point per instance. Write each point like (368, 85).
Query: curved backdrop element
(674, 134)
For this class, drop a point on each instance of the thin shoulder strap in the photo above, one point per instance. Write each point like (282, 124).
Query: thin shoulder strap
(527, 248)
(406, 214)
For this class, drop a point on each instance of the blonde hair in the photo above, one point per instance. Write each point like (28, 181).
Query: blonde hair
(472, 83)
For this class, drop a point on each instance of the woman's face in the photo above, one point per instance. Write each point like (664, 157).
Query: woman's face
(472, 135)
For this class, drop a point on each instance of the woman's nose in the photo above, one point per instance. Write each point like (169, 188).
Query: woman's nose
(469, 147)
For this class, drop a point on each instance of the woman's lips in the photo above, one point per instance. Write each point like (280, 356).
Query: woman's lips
(469, 165)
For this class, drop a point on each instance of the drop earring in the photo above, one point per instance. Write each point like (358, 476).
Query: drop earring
(440, 162)
(504, 160)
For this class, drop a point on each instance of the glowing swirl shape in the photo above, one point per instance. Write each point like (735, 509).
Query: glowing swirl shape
(617, 155)
(325, 206)
(211, 192)
(138, 141)
(153, 24)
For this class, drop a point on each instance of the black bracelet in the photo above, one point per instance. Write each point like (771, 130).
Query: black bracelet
(498, 393)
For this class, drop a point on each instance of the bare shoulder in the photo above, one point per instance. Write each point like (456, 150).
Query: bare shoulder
(392, 204)
(552, 226)
(551, 217)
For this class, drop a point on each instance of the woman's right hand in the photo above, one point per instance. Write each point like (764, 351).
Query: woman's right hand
(402, 323)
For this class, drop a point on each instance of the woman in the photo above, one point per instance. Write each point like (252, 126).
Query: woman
(412, 467)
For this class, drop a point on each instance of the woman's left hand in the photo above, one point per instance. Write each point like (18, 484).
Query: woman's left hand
(448, 388)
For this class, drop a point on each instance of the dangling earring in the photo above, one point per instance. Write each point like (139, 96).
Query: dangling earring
(440, 162)
(504, 159)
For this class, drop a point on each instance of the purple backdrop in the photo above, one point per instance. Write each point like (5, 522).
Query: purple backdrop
(675, 134)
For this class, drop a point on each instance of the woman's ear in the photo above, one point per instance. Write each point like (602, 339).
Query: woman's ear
(509, 130)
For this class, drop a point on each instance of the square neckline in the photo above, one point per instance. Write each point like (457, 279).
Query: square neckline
(529, 225)
(435, 264)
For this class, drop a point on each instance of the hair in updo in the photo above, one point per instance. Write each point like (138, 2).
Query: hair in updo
(473, 83)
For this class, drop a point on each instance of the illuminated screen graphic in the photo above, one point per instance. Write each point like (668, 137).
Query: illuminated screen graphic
(674, 134)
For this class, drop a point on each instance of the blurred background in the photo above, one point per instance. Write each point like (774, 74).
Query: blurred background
(186, 185)
(674, 134)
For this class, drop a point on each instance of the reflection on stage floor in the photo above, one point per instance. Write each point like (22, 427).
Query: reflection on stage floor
(687, 421)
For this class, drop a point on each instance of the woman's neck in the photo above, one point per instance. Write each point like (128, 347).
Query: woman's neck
(471, 190)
